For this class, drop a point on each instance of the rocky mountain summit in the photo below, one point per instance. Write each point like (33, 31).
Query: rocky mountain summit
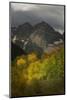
(36, 38)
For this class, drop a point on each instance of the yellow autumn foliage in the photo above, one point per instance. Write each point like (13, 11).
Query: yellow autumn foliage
(32, 57)
(21, 61)
(49, 66)
(34, 71)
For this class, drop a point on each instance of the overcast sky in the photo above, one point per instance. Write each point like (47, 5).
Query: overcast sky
(32, 13)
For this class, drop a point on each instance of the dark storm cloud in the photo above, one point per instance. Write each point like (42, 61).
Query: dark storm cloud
(32, 13)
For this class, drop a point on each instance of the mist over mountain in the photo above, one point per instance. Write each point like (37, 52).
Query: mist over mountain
(35, 13)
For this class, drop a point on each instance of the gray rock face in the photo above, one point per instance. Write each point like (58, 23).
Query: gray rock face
(36, 38)
(24, 31)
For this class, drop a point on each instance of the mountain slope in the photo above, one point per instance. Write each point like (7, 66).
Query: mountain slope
(37, 37)
(42, 36)
(24, 30)
(46, 32)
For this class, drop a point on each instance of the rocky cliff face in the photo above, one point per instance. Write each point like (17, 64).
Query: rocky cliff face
(37, 37)
(24, 31)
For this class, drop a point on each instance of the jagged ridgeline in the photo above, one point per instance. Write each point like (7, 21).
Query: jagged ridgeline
(38, 38)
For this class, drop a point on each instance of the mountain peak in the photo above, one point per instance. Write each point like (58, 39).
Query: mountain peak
(25, 25)
(24, 30)
(43, 25)
(43, 22)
